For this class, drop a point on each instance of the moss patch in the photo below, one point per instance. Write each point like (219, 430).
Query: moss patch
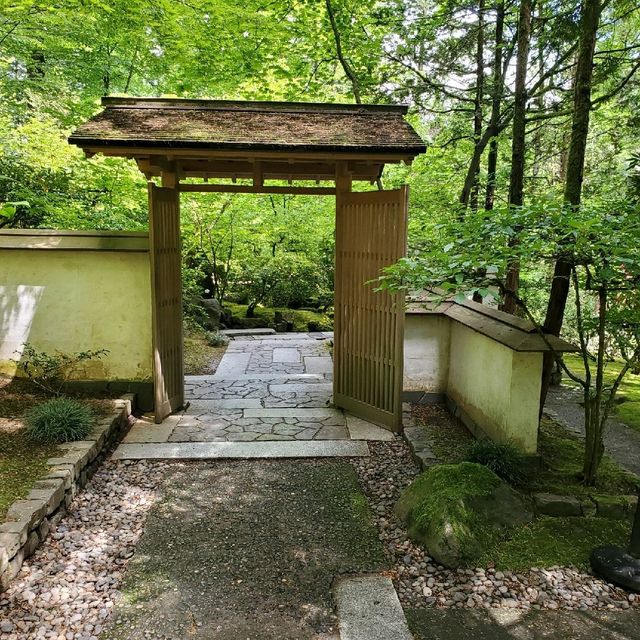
(560, 451)
(562, 454)
(548, 542)
(301, 318)
(457, 511)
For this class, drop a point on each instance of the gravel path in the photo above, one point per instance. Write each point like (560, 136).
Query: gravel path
(66, 591)
(422, 583)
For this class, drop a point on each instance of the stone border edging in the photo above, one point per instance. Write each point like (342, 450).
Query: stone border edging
(29, 520)
(601, 506)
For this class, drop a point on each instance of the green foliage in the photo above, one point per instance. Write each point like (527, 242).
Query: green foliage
(217, 339)
(50, 371)
(302, 319)
(59, 420)
(602, 246)
(503, 458)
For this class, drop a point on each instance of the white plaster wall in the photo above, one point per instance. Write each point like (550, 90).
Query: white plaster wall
(497, 387)
(426, 352)
(74, 301)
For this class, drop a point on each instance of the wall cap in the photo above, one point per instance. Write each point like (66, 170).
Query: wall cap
(511, 331)
(59, 240)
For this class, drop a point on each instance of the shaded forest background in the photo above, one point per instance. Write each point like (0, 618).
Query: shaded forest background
(491, 86)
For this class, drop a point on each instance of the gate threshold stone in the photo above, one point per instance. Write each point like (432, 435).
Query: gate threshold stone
(228, 450)
(369, 609)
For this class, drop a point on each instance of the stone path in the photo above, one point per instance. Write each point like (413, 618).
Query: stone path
(621, 442)
(266, 388)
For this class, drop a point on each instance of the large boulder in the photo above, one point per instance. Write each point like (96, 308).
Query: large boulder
(458, 511)
(213, 312)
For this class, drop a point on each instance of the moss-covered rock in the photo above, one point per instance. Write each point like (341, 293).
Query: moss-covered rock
(458, 511)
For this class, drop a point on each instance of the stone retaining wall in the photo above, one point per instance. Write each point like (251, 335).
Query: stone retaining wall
(29, 521)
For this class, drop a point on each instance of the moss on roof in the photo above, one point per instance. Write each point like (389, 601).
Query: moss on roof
(250, 125)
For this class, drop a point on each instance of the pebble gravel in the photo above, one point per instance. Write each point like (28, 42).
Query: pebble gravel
(66, 590)
(421, 582)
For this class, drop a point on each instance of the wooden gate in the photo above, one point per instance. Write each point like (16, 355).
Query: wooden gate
(371, 231)
(166, 288)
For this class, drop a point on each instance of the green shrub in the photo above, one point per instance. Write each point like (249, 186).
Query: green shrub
(59, 420)
(50, 371)
(503, 458)
(217, 339)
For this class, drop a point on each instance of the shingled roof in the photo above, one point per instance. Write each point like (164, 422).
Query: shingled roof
(258, 126)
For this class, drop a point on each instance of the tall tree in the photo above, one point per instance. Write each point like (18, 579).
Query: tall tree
(497, 89)
(516, 179)
(582, 105)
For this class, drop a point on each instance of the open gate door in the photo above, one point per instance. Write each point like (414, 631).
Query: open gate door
(166, 296)
(371, 233)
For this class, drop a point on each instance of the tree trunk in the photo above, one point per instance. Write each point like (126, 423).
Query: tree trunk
(478, 100)
(346, 65)
(594, 418)
(575, 172)
(496, 100)
(516, 180)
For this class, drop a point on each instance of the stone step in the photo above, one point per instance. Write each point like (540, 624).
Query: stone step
(235, 333)
(302, 414)
(259, 377)
(242, 450)
(369, 609)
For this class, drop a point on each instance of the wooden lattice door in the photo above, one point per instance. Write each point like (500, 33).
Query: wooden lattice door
(166, 288)
(371, 233)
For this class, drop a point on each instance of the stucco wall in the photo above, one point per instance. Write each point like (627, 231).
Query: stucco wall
(426, 352)
(497, 387)
(76, 292)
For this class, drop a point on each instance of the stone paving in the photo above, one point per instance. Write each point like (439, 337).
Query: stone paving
(271, 387)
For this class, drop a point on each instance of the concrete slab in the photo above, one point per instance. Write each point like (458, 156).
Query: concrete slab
(360, 429)
(145, 430)
(369, 609)
(298, 388)
(286, 354)
(303, 414)
(227, 403)
(276, 377)
(318, 364)
(228, 450)
(232, 364)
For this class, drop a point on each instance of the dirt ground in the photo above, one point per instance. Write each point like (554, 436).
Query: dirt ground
(241, 550)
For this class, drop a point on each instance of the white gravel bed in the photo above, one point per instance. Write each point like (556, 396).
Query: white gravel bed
(66, 590)
(421, 582)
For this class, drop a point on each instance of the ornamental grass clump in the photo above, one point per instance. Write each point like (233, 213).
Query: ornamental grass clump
(503, 458)
(59, 420)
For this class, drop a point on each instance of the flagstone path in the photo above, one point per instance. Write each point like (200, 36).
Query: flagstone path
(266, 388)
